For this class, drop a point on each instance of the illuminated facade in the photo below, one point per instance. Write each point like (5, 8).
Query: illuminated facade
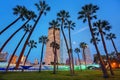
(23, 59)
(14, 59)
(49, 56)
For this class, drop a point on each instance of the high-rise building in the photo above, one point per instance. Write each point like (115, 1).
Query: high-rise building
(36, 61)
(63, 52)
(23, 59)
(14, 59)
(3, 56)
(88, 56)
(49, 55)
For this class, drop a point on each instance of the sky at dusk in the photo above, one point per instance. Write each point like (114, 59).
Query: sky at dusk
(109, 10)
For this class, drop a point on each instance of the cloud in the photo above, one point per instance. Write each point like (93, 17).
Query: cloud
(82, 29)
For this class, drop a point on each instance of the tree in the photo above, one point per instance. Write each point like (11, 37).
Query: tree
(83, 45)
(55, 46)
(102, 27)
(29, 15)
(110, 37)
(43, 40)
(62, 16)
(54, 24)
(70, 26)
(27, 29)
(113, 57)
(96, 59)
(77, 50)
(18, 10)
(42, 8)
(87, 14)
(96, 39)
(32, 44)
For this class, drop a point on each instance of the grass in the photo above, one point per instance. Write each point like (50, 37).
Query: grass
(61, 75)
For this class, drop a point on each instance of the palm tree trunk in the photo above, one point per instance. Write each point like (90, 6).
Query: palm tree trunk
(54, 51)
(12, 36)
(79, 62)
(24, 47)
(105, 74)
(57, 61)
(115, 50)
(10, 25)
(105, 49)
(71, 52)
(84, 57)
(41, 58)
(27, 57)
(15, 51)
(54, 71)
(70, 62)
(54, 68)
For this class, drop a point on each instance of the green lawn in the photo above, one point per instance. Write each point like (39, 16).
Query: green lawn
(61, 75)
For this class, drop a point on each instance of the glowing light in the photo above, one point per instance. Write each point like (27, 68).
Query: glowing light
(114, 65)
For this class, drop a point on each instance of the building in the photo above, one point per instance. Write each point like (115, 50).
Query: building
(36, 61)
(14, 59)
(3, 56)
(49, 55)
(88, 56)
(77, 61)
(63, 53)
(23, 59)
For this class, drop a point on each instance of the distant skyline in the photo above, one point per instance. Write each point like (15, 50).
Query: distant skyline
(109, 10)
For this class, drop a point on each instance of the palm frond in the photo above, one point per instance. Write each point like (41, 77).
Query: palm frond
(48, 9)
(95, 17)
(38, 8)
(77, 50)
(84, 20)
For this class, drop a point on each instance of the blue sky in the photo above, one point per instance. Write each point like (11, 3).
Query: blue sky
(109, 10)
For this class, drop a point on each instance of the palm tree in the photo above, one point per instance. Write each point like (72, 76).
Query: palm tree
(70, 26)
(31, 44)
(112, 56)
(18, 10)
(77, 50)
(55, 47)
(62, 17)
(30, 15)
(95, 59)
(96, 39)
(27, 29)
(42, 8)
(102, 27)
(87, 14)
(43, 40)
(83, 45)
(110, 37)
(54, 24)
